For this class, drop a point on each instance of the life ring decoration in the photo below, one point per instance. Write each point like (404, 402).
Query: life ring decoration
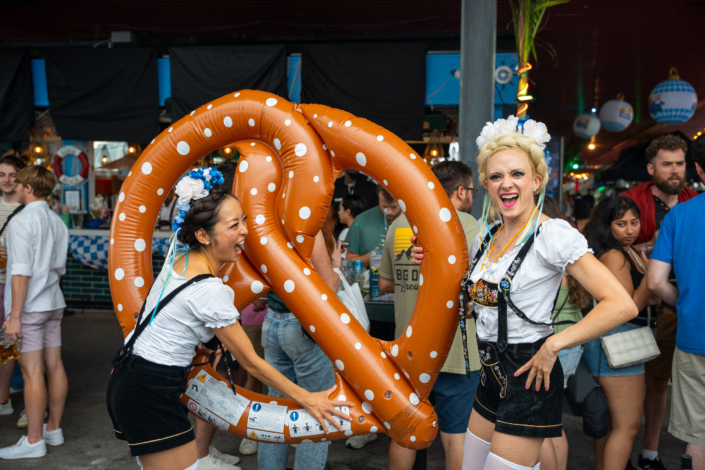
(290, 156)
(78, 152)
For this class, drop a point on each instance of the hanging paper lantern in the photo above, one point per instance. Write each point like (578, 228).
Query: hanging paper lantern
(586, 125)
(616, 115)
(672, 101)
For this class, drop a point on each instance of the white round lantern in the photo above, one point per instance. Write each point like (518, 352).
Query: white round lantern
(616, 115)
(586, 125)
(672, 101)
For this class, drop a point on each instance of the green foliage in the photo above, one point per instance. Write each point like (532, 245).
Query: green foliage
(527, 16)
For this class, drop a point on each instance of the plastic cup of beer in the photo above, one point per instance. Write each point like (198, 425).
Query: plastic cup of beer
(3, 259)
(9, 350)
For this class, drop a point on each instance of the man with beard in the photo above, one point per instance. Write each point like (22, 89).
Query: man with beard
(354, 182)
(665, 158)
(453, 392)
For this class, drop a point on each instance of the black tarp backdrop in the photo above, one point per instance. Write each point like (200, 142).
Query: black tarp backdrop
(384, 83)
(104, 94)
(202, 74)
(16, 95)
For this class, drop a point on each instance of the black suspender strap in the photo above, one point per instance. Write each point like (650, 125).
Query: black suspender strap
(125, 351)
(464, 300)
(9, 217)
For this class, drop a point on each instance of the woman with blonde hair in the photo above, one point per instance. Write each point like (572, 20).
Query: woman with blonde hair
(522, 259)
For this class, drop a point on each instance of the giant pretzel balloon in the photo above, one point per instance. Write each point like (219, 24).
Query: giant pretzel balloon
(290, 156)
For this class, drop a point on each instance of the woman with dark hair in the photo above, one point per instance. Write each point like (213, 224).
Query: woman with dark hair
(617, 226)
(150, 371)
(349, 208)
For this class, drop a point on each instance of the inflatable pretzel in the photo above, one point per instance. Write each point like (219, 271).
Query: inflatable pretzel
(290, 157)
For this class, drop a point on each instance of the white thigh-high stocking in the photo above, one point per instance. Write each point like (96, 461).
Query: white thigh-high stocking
(495, 462)
(475, 452)
(194, 466)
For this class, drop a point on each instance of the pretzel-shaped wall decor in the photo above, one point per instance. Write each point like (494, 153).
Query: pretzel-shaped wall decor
(290, 156)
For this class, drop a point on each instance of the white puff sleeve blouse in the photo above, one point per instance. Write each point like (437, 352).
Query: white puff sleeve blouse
(535, 285)
(186, 321)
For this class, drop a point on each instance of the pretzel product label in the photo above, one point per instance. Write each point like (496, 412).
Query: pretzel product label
(267, 417)
(201, 411)
(217, 397)
(265, 436)
(302, 424)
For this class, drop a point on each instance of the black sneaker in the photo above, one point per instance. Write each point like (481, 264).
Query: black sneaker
(647, 464)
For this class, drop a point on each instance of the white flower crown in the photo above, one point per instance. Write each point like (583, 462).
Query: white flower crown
(534, 130)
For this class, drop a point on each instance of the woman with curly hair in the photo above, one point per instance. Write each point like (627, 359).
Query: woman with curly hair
(522, 259)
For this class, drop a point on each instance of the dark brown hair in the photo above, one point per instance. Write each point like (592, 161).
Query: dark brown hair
(327, 229)
(203, 214)
(385, 194)
(12, 161)
(452, 175)
(665, 142)
(39, 178)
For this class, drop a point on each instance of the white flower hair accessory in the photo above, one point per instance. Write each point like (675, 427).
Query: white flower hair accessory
(190, 188)
(534, 130)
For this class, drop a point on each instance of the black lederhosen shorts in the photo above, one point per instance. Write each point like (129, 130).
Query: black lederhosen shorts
(503, 399)
(144, 405)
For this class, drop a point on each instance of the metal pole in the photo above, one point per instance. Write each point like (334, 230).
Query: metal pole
(478, 37)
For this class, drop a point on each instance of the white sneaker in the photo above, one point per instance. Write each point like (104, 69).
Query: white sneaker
(53, 438)
(358, 442)
(227, 458)
(248, 447)
(24, 450)
(22, 422)
(213, 463)
(16, 390)
(6, 409)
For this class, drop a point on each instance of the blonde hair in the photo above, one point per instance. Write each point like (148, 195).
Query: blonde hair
(518, 142)
(537, 158)
(39, 178)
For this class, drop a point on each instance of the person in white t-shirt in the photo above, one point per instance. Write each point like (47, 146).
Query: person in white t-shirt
(150, 372)
(37, 241)
(517, 267)
(9, 166)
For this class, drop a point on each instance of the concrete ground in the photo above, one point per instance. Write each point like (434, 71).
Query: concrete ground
(90, 341)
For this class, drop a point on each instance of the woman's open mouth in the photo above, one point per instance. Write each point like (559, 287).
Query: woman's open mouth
(509, 199)
(239, 247)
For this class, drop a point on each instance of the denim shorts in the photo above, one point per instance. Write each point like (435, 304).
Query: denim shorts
(452, 396)
(570, 358)
(596, 361)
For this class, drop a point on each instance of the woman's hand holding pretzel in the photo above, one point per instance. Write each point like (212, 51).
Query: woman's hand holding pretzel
(320, 407)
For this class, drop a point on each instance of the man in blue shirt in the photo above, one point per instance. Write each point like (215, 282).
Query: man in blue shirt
(680, 246)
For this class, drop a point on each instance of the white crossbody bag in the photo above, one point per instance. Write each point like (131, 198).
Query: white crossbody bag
(631, 347)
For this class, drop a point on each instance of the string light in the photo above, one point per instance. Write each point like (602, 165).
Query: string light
(131, 149)
(523, 94)
(37, 149)
(591, 146)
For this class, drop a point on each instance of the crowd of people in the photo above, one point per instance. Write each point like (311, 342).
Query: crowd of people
(542, 290)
